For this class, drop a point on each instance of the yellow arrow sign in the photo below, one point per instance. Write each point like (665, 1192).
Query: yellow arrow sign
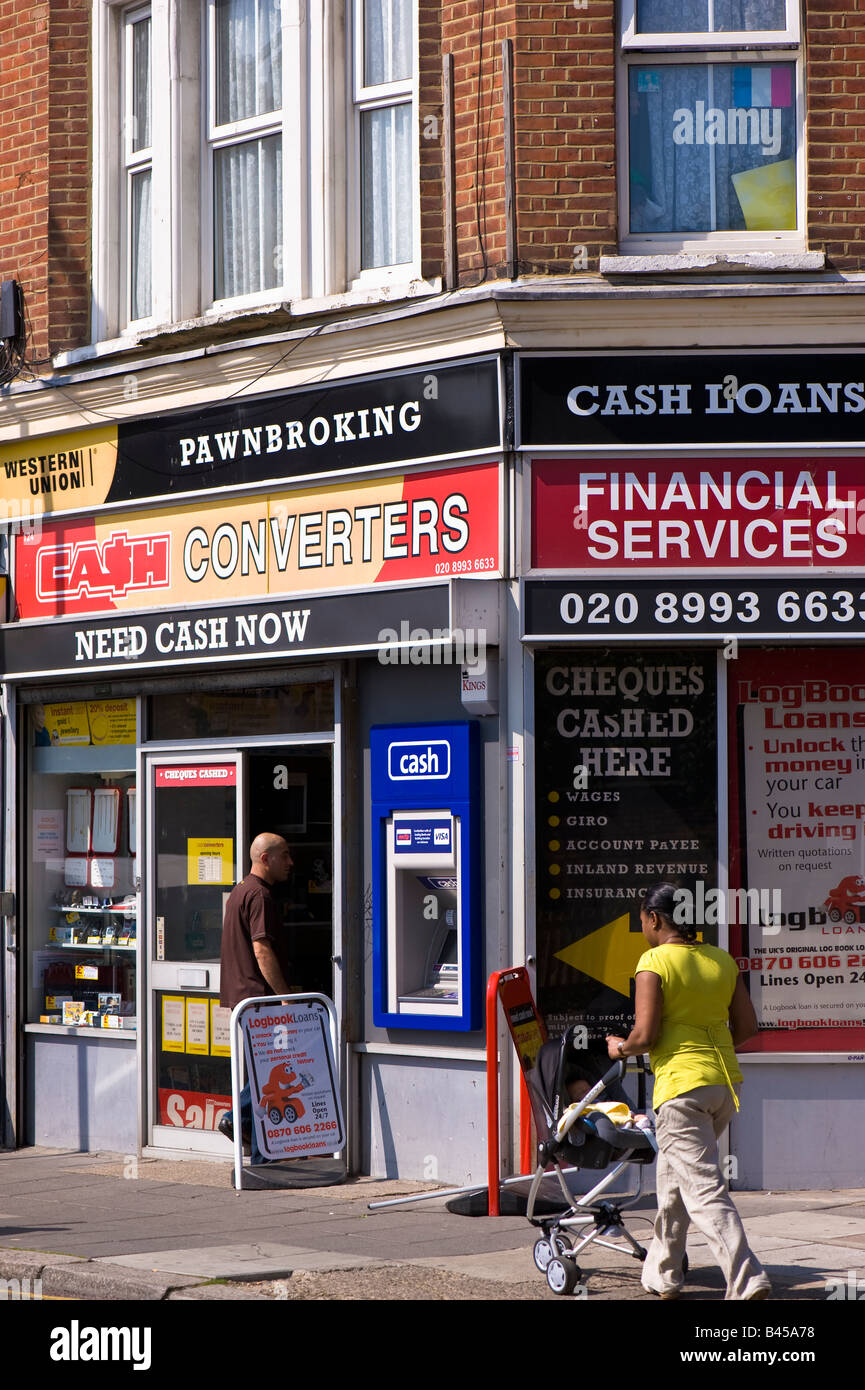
(609, 954)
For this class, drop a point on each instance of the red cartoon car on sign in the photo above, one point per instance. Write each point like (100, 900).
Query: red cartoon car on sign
(279, 1095)
(847, 900)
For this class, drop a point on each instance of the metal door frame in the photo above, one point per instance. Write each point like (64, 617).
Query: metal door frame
(196, 1141)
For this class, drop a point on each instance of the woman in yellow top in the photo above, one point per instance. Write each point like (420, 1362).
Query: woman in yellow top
(691, 1011)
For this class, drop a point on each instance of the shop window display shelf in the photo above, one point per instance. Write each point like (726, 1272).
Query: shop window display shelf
(103, 954)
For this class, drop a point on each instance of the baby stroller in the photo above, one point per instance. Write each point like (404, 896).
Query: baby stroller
(569, 1138)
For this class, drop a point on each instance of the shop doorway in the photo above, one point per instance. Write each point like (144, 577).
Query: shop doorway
(202, 812)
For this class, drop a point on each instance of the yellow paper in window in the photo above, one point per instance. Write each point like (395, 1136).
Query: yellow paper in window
(68, 723)
(173, 1023)
(767, 197)
(210, 861)
(198, 1026)
(111, 721)
(220, 1033)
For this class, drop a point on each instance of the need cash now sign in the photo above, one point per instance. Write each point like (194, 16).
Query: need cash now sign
(394, 529)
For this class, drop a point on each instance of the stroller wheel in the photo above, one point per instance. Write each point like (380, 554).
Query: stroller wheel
(547, 1248)
(543, 1253)
(563, 1275)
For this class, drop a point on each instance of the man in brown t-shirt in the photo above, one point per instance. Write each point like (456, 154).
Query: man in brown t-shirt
(254, 948)
(253, 938)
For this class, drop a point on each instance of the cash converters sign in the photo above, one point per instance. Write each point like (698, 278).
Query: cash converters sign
(395, 529)
(706, 513)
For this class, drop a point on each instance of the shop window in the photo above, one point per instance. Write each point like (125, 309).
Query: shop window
(625, 796)
(81, 866)
(711, 124)
(302, 708)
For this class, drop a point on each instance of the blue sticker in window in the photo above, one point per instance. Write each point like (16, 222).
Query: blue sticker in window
(648, 81)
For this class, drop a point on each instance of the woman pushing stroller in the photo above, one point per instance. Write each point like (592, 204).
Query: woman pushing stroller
(691, 1011)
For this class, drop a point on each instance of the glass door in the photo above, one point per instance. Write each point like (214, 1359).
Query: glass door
(290, 793)
(195, 853)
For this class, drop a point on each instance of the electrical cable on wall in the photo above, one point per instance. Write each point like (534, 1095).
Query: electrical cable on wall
(13, 335)
(14, 332)
(480, 163)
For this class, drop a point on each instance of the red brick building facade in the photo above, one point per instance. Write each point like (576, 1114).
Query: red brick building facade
(560, 115)
(566, 250)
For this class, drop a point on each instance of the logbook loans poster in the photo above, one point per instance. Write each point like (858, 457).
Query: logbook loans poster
(293, 1079)
(800, 842)
(625, 797)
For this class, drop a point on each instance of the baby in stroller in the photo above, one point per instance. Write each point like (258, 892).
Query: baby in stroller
(584, 1120)
(619, 1112)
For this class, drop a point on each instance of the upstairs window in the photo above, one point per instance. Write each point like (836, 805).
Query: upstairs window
(249, 152)
(384, 133)
(713, 121)
(138, 164)
(245, 146)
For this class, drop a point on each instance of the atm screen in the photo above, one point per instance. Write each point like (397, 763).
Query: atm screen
(448, 953)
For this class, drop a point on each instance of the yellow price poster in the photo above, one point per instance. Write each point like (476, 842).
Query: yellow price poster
(198, 1026)
(173, 1023)
(210, 861)
(220, 1032)
(67, 723)
(112, 721)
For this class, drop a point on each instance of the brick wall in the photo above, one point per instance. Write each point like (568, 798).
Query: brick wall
(565, 121)
(564, 105)
(835, 58)
(565, 115)
(44, 177)
(69, 173)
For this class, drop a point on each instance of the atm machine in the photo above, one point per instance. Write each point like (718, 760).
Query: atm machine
(427, 933)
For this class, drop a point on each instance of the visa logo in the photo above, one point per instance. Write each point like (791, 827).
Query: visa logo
(442, 837)
(428, 758)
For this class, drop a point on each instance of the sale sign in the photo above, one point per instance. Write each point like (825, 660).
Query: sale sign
(191, 1109)
(292, 1077)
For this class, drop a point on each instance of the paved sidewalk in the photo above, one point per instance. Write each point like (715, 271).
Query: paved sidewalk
(98, 1226)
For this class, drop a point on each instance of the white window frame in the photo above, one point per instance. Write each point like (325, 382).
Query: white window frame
(320, 166)
(362, 98)
(287, 122)
(175, 60)
(682, 48)
(136, 162)
(771, 38)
